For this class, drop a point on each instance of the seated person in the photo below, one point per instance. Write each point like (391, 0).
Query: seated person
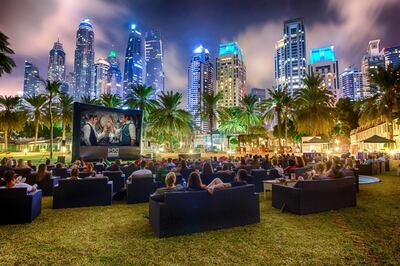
(291, 166)
(225, 168)
(170, 181)
(60, 165)
(42, 174)
(142, 172)
(334, 170)
(265, 163)
(207, 169)
(276, 171)
(21, 164)
(348, 169)
(194, 183)
(89, 169)
(115, 166)
(170, 164)
(74, 174)
(369, 160)
(11, 182)
(300, 162)
(238, 181)
(319, 171)
(49, 164)
(29, 163)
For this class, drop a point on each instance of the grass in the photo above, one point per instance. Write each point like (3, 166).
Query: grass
(118, 234)
(36, 157)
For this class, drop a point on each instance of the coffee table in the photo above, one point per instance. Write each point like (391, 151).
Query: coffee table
(267, 185)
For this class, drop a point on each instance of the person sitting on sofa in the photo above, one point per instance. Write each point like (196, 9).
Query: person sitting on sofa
(319, 170)
(276, 171)
(89, 169)
(334, 170)
(41, 173)
(348, 169)
(11, 182)
(115, 166)
(21, 164)
(300, 162)
(142, 172)
(292, 166)
(194, 183)
(170, 186)
(74, 174)
(237, 181)
(369, 160)
(207, 168)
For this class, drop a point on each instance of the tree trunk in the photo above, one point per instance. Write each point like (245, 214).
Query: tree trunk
(6, 140)
(141, 133)
(51, 128)
(229, 137)
(64, 129)
(211, 132)
(286, 129)
(36, 135)
(279, 131)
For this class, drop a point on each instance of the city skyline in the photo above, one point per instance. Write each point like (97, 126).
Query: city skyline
(257, 36)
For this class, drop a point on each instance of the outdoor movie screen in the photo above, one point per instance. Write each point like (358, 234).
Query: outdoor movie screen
(101, 132)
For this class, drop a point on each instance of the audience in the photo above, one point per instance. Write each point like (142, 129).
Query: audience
(170, 164)
(194, 183)
(170, 186)
(42, 174)
(74, 174)
(292, 166)
(334, 170)
(207, 169)
(21, 164)
(142, 172)
(11, 182)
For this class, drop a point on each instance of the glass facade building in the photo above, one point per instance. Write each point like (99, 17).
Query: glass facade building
(56, 67)
(154, 62)
(372, 59)
(392, 56)
(350, 81)
(31, 80)
(100, 77)
(114, 76)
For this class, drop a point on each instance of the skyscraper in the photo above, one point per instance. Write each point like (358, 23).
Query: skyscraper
(261, 94)
(324, 63)
(231, 74)
(392, 56)
(84, 60)
(114, 77)
(200, 82)
(371, 60)
(280, 64)
(56, 67)
(154, 62)
(31, 79)
(294, 61)
(350, 81)
(100, 77)
(135, 65)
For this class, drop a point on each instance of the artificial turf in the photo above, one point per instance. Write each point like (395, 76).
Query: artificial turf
(120, 235)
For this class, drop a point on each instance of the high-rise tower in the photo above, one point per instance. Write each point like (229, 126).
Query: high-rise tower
(154, 62)
(231, 74)
(392, 56)
(200, 82)
(135, 65)
(84, 60)
(114, 77)
(56, 67)
(31, 80)
(370, 61)
(350, 81)
(100, 77)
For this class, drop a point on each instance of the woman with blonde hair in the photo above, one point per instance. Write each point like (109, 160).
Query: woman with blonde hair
(170, 181)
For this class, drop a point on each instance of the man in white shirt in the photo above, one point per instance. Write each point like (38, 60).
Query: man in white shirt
(90, 135)
(142, 172)
(11, 182)
(127, 133)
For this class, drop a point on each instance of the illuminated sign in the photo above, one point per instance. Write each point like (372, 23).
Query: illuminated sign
(322, 54)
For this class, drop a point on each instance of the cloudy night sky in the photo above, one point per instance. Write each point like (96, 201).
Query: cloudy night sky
(33, 27)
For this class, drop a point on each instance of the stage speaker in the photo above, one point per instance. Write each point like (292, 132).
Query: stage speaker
(61, 159)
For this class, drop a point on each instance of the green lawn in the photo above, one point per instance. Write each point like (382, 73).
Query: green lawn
(118, 234)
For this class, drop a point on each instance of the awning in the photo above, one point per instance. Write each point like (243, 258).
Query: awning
(315, 140)
(377, 139)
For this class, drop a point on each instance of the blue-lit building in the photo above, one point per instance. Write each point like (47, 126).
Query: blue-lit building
(100, 77)
(56, 67)
(350, 83)
(392, 56)
(231, 74)
(280, 64)
(135, 64)
(114, 75)
(371, 60)
(200, 82)
(31, 80)
(154, 62)
(294, 61)
(84, 61)
(324, 63)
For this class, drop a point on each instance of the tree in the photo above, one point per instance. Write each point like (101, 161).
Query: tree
(208, 112)
(89, 100)
(314, 107)
(52, 91)
(347, 114)
(65, 110)
(229, 123)
(35, 107)
(249, 115)
(6, 62)
(110, 100)
(168, 117)
(386, 101)
(11, 118)
(273, 108)
(287, 111)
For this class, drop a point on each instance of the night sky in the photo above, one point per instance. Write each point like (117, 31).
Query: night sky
(33, 26)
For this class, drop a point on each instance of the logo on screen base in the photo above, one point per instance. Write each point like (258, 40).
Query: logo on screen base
(113, 152)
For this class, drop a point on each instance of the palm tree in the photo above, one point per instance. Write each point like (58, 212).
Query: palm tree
(6, 62)
(110, 100)
(35, 107)
(168, 117)
(386, 101)
(89, 100)
(52, 91)
(65, 109)
(273, 108)
(314, 107)
(287, 111)
(229, 123)
(208, 113)
(249, 115)
(11, 118)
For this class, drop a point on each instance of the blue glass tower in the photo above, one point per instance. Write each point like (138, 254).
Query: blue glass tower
(154, 62)
(392, 56)
(56, 67)
(31, 80)
(351, 83)
(200, 82)
(134, 71)
(84, 60)
(114, 76)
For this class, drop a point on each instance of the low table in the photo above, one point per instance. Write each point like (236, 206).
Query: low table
(267, 184)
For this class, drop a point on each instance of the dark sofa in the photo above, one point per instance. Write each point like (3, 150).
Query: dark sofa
(19, 207)
(46, 185)
(224, 176)
(139, 189)
(187, 212)
(82, 193)
(313, 196)
(118, 179)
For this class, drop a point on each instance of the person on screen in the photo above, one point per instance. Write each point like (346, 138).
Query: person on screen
(127, 133)
(90, 135)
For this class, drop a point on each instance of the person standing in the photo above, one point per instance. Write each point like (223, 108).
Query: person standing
(90, 135)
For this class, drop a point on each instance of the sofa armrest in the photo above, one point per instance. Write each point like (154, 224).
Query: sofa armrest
(286, 197)
(155, 214)
(35, 204)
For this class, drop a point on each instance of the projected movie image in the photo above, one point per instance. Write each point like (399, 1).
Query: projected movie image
(109, 129)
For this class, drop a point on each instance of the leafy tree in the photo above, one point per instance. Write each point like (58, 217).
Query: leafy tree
(11, 118)
(89, 100)
(347, 114)
(110, 100)
(169, 118)
(208, 113)
(35, 108)
(6, 62)
(385, 102)
(65, 110)
(249, 115)
(314, 108)
(229, 123)
(52, 90)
